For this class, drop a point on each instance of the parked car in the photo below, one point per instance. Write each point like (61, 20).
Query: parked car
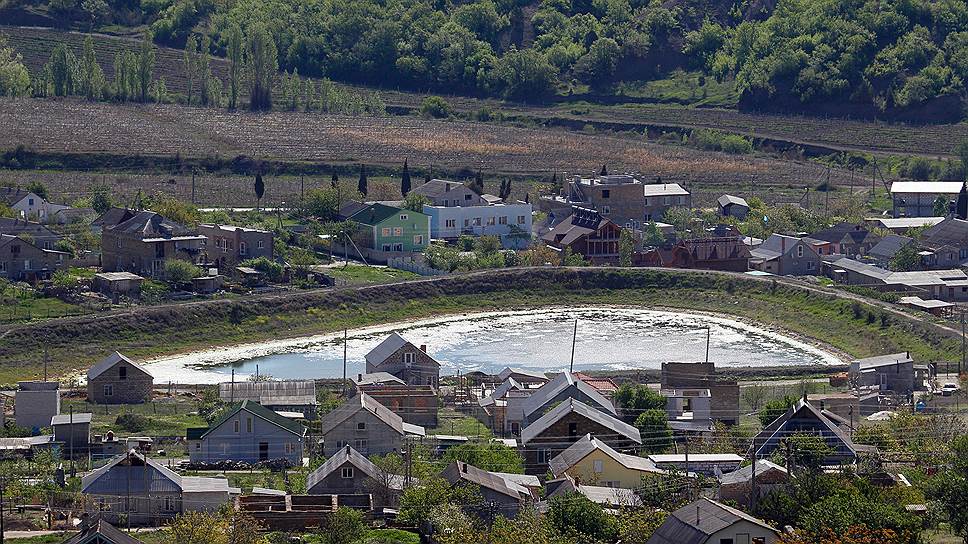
(949, 389)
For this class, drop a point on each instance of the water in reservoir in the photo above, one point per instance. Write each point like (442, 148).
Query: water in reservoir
(608, 339)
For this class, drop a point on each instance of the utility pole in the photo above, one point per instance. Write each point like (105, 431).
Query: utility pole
(193, 185)
(71, 440)
(687, 468)
(302, 186)
(961, 365)
(45, 363)
(826, 198)
(752, 503)
(708, 334)
(3, 485)
(574, 337)
(344, 362)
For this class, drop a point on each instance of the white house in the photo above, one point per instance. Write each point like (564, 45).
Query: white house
(455, 210)
(28, 205)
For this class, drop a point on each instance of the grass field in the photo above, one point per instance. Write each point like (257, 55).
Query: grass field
(355, 274)
(167, 417)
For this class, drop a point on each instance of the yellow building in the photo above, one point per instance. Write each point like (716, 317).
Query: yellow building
(592, 462)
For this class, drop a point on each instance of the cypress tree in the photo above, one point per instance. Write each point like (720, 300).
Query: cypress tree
(604, 171)
(260, 189)
(962, 206)
(405, 179)
(362, 185)
(334, 182)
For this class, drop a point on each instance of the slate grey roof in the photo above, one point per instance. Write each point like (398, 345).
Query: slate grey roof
(101, 532)
(726, 200)
(525, 480)
(386, 348)
(883, 360)
(950, 231)
(109, 362)
(508, 372)
(459, 471)
(836, 233)
(267, 491)
(889, 246)
(376, 378)
(774, 246)
(556, 386)
(695, 522)
(572, 405)
(362, 401)
(663, 189)
(261, 412)
(152, 226)
(270, 393)
(607, 496)
(745, 474)
(113, 217)
(436, 188)
(88, 479)
(874, 272)
(200, 484)
(829, 426)
(588, 444)
(14, 227)
(67, 419)
(355, 458)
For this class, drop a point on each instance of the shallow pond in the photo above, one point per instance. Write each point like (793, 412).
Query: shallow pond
(608, 339)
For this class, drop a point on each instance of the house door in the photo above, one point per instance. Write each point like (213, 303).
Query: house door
(742, 539)
(263, 451)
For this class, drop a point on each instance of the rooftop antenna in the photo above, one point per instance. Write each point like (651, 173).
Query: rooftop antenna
(574, 337)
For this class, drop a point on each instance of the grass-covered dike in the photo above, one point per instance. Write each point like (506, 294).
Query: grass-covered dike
(855, 327)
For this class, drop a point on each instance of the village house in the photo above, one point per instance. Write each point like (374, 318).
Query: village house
(383, 232)
(416, 404)
(366, 425)
(522, 376)
(561, 387)
(118, 380)
(492, 408)
(566, 423)
(884, 251)
(36, 403)
(587, 233)
(945, 245)
(733, 206)
(606, 496)
(94, 530)
(249, 433)
(728, 253)
(737, 486)
(901, 225)
(398, 357)
(30, 206)
(73, 432)
(143, 243)
(605, 386)
(847, 239)
(709, 464)
(803, 417)
(227, 245)
(113, 217)
(21, 260)
(456, 210)
(142, 491)
(785, 256)
(501, 495)
(706, 521)
(622, 198)
(37, 234)
(723, 393)
(592, 461)
(348, 472)
(278, 395)
(917, 198)
(894, 373)
(689, 409)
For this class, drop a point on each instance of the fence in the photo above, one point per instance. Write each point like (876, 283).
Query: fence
(401, 263)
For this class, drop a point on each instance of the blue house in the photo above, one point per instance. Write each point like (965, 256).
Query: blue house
(250, 433)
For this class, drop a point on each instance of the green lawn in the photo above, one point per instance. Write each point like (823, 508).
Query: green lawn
(358, 274)
(687, 88)
(452, 422)
(164, 417)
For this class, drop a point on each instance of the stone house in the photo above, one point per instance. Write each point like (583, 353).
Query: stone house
(38, 234)
(416, 404)
(250, 433)
(945, 245)
(348, 472)
(227, 246)
(21, 260)
(98, 531)
(847, 239)
(561, 387)
(396, 356)
(587, 233)
(785, 256)
(142, 244)
(723, 393)
(737, 486)
(803, 417)
(706, 521)
(366, 425)
(621, 198)
(894, 373)
(719, 253)
(567, 423)
(502, 496)
(145, 492)
(36, 403)
(118, 380)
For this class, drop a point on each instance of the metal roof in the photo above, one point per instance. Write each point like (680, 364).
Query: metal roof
(726, 200)
(109, 362)
(931, 187)
(583, 447)
(67, 419)
(459, 471)
(745, 474)
(883, 360)
(571, 405)
(547, 392)
(101, 532)
(386, 348)
(377, 378)
(261, 412)
(362, 401)
(290, 392)
(695, 522)
(340, 458)
(663, 189)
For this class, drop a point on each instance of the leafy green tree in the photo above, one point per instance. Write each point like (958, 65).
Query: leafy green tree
(38, 188)
(146, 66)
(436, 107)
(203, 70)
(14, 77)
(637, 397)
(320, 204)
(576, 516)
(95, 10)
(653, 424)
(262, 63)
(92, 81)
(179, 272)
(61, 71)
(190, 67)
(524, 74)
(906, 259)
(234, 50)
(961, 149)
(344, 526)
(942, 206)
(482, 18)
(597, 67)
(626, 247)
(101, 200)
(419, 502)
(652, 235)
(775, 408)
(490, 456)
(415, 202)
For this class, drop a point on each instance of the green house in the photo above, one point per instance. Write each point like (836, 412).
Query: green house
(388, 228)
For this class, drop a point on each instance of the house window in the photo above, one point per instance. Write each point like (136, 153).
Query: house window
(385, 231)
(361, 426)
(418, 240)
(398, 231)
(30, 202)
(521, 219)
(467, 197)
(118, 243)
(361, 445)
(198, 445)
(108, 390)
(169, 504)
(646, 203)
(404, 217)
(606, 210)
(248, 424)
(243, 248)
(572, 429)
(122, 373)
(725, 541)
(598, 466)
(490, 221)
(409, 357)
(544, 456)
(397, 247)
(467, 222)
(503, 220)
(236, 422)
(606, 193)
(346, 473)
(477, 221)
(450, 223)
(386, 247)
(26, 264)
(811, 265)
(799, 251)
(3, 266)
(48, 244)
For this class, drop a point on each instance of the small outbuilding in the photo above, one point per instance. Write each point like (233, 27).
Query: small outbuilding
(118, 284)
(733, 206)
(118, 380)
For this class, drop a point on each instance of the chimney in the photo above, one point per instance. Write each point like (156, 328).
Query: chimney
(446, 187)
(423, 348)
(359, 377)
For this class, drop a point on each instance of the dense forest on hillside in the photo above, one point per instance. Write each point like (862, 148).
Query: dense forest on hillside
(870, 55)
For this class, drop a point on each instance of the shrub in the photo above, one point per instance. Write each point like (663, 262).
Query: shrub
(132, 422)
(436, 107)
(715, 140)
(271, 269)
(179, 272)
